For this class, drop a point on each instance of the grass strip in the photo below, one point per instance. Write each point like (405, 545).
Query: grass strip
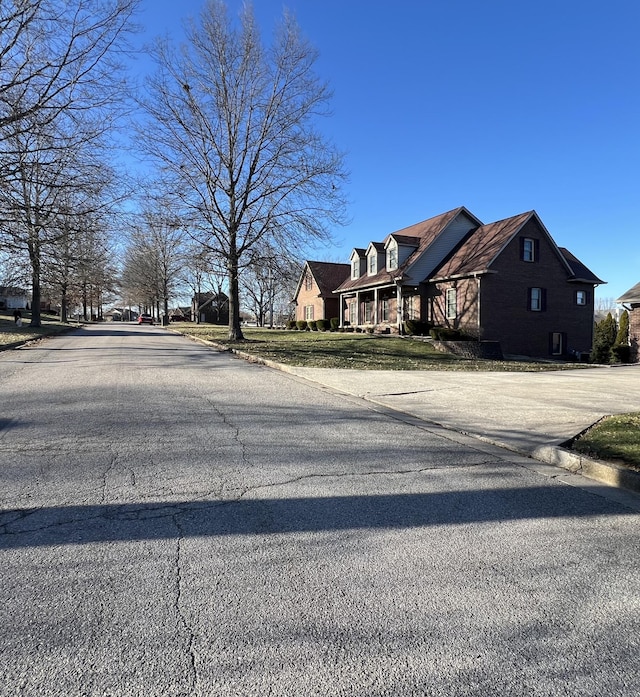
(614, 438)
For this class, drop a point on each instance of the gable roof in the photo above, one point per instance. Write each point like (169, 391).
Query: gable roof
(483, 245)
(631, 296)
(421, 236)
(480, 247)
(327, 275)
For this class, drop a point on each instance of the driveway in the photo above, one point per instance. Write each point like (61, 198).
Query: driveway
(520, 411)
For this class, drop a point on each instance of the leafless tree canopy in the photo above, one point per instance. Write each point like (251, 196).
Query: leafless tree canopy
(233, 125)
(59, 85)
(54, 52)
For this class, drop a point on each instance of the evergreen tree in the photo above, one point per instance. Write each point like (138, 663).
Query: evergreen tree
(603, 340)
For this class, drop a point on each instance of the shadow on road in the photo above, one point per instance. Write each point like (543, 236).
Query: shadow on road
(151, 521)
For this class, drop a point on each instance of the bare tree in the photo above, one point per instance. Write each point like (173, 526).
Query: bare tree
(204, 273)
(154, 261)
(233, 125)
(59, 82)
(269, 284)
(53, 53)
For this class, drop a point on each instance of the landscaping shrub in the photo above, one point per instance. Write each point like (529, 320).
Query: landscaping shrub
(413, 327)
(302, 325)
(604, 337)
(449, 334)
(621, 353)
(322, 324)
(312, 325)
(335, 323)
(291, 324)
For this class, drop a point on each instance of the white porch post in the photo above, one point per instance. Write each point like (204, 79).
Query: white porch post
(375, 305)
(400, 309)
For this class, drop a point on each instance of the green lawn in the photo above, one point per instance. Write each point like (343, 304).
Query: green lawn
(352, 350)
(12, 335)
(614, 438)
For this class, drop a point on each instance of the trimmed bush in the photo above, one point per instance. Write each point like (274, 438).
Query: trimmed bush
(291, 324)
(335, 323)
(415, 328)
(312, 325)
(322, 324)
(449, 334)
(622, 353)
(302, 325)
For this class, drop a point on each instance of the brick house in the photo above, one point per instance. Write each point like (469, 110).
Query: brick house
(631, 302)
(212, 308)
(507, 281)
(13, 298)
(314, 298)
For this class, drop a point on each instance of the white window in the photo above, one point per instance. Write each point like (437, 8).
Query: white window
(412, 307)
(535, 299)
(373, 266)
(528, 249)
(384, 310)
(352, 312)
(308, 312)
(355, 268)
(581, 297)
(308, 281)
(451, 302)
(392, 258)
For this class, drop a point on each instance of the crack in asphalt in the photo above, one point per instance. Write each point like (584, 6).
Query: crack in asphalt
(136, 512)
(182, 618)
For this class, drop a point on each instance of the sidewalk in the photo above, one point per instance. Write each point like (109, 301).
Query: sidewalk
(528, 413)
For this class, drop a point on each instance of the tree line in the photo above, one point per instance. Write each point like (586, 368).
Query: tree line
(243, 180)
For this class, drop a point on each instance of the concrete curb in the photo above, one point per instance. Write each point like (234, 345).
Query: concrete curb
(606, 472)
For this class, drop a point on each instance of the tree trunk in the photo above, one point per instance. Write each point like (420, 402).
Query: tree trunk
(235, 331)
(63, 306)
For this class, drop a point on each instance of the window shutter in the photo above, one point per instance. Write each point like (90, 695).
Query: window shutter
(543, 299)
(522, 248)
(529, 298)
(536, 250)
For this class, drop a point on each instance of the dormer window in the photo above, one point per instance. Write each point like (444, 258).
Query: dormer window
(392, 258)
(372, 265)
(355, 269)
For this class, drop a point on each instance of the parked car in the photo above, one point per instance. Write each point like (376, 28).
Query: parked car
(145, 319)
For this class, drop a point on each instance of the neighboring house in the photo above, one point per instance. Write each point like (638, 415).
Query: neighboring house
(507, 281)
(212, 308)
(631, 302)
(314, 298)
(13, 298)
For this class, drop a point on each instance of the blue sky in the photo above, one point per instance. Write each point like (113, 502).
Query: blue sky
(496, 105)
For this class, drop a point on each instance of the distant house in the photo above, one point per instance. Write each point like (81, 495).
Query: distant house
(12, 298)
(505, 282)
(314, 298)
(631, 302)
(212, 308)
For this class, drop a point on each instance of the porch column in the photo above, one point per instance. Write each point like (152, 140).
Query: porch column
(375, 305)
(399, 309)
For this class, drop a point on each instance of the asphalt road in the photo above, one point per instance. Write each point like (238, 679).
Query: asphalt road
(176, 521)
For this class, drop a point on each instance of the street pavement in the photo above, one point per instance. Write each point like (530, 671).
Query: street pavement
(177, 521)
